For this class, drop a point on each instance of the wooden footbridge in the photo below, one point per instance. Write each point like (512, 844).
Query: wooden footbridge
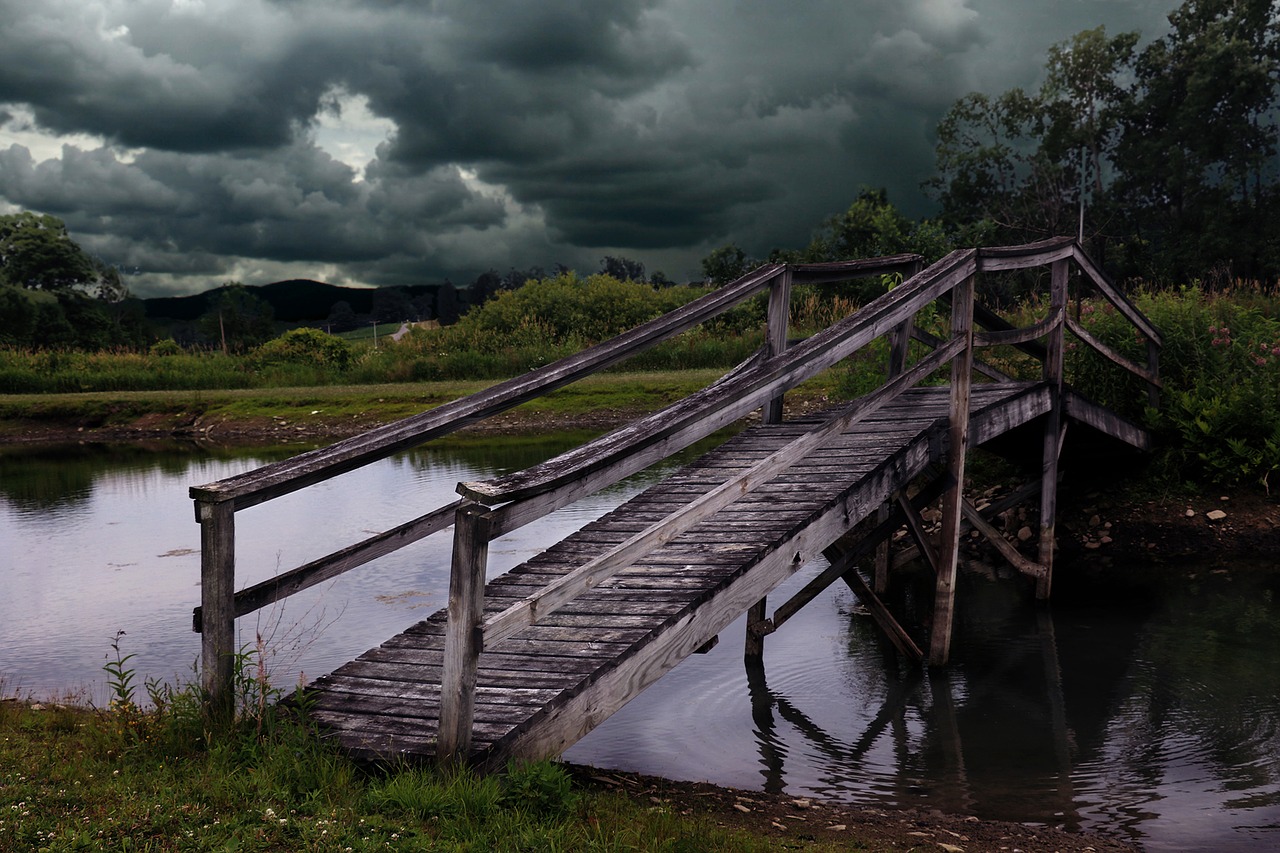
(526, 664)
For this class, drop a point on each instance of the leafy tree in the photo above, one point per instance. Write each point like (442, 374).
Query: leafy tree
(447, 308)
(342, 318)
(238, 319)
(1022, 161)
(1199, 145)
(623, 269)
(37, 252)
(392, 305)
(726, 263)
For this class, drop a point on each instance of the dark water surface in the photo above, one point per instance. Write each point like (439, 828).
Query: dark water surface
(1145, 704)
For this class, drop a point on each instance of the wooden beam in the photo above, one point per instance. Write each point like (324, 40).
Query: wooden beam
(1051, 444)
(915, 526)
(462, 643)
(957, 447)
(217, 596)
(1006, 549)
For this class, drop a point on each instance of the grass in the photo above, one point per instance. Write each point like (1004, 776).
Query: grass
(74, 778)
(622, 392)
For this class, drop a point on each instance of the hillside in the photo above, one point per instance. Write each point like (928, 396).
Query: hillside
(296, 300)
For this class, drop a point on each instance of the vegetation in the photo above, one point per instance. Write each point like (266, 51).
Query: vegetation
(129, 778)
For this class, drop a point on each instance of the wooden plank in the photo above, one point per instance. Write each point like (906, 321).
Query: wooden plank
(1104, 421)
(998, 258)
(619, 557)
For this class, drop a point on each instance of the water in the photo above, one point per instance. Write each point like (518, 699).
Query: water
(1148, 709)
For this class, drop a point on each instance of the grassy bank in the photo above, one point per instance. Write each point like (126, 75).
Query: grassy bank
(338, 409)
(76, 779)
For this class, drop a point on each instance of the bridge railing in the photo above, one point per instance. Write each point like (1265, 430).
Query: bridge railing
(216, 504)
(500, 505)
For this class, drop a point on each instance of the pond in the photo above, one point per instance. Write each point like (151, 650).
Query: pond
(1144, 703)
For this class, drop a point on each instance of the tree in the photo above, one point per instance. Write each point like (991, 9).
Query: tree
(342, 318)
(623, 269)
(1199, 144)
(238, 319)
(1022, 161)
(725, 264)
(392, 305)
(36, 252)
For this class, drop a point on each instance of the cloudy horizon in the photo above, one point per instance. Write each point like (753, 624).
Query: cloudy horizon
(374, 142)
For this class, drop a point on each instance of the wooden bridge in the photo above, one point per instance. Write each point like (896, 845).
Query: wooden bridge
(526, 664)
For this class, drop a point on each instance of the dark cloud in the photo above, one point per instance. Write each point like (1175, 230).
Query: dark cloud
(521, 132)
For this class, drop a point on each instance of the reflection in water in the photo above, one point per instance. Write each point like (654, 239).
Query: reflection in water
(1149, 709)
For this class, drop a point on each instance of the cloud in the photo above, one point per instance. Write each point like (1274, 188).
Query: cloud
(388, 142)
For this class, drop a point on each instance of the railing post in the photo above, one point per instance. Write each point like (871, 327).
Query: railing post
(899, 350)
(957, 445)
(776, 344)
(776, 335)
(1153, 365)
(463, 639)
(1052, 427)
(217, 606)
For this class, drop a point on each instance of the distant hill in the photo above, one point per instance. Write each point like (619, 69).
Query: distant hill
(297, 300)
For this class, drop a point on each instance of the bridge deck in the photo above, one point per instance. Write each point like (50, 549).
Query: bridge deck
(544, 688)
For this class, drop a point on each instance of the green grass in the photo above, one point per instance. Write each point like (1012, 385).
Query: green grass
(122, 778)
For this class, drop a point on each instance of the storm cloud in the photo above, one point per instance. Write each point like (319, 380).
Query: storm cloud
(377, 142)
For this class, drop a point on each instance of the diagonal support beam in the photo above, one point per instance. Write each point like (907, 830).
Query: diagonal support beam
(1010, 553)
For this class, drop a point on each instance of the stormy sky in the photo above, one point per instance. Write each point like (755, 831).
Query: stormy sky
(388, 142)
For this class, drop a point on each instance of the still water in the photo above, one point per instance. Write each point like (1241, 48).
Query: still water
(1147, 708)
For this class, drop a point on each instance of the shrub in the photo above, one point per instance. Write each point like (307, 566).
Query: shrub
(304, 346)
(1219, 421)
(168, 346)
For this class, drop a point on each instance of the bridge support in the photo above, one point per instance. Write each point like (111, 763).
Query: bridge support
(952, 499)
(462, 644)
(1052, 428)
(775, 344)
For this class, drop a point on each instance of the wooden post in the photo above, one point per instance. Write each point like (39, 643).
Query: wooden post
(776, 344)
(957, 445)
(463, 638)
(1052, 429)
(776, 337)
(217, 607)
(1153, 365)
(899, 351)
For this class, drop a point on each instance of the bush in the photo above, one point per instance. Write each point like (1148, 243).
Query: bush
(1219, 419)
(305, 346)
(166, 347)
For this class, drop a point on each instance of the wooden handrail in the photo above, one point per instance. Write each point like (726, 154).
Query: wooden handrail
(280, 478)
(787, 370)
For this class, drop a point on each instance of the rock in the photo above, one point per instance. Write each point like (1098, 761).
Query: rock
(1094, 520)
(1215, 515)
(1092, 546)
(802, 804)
(1191, 513)
(1024, 533)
